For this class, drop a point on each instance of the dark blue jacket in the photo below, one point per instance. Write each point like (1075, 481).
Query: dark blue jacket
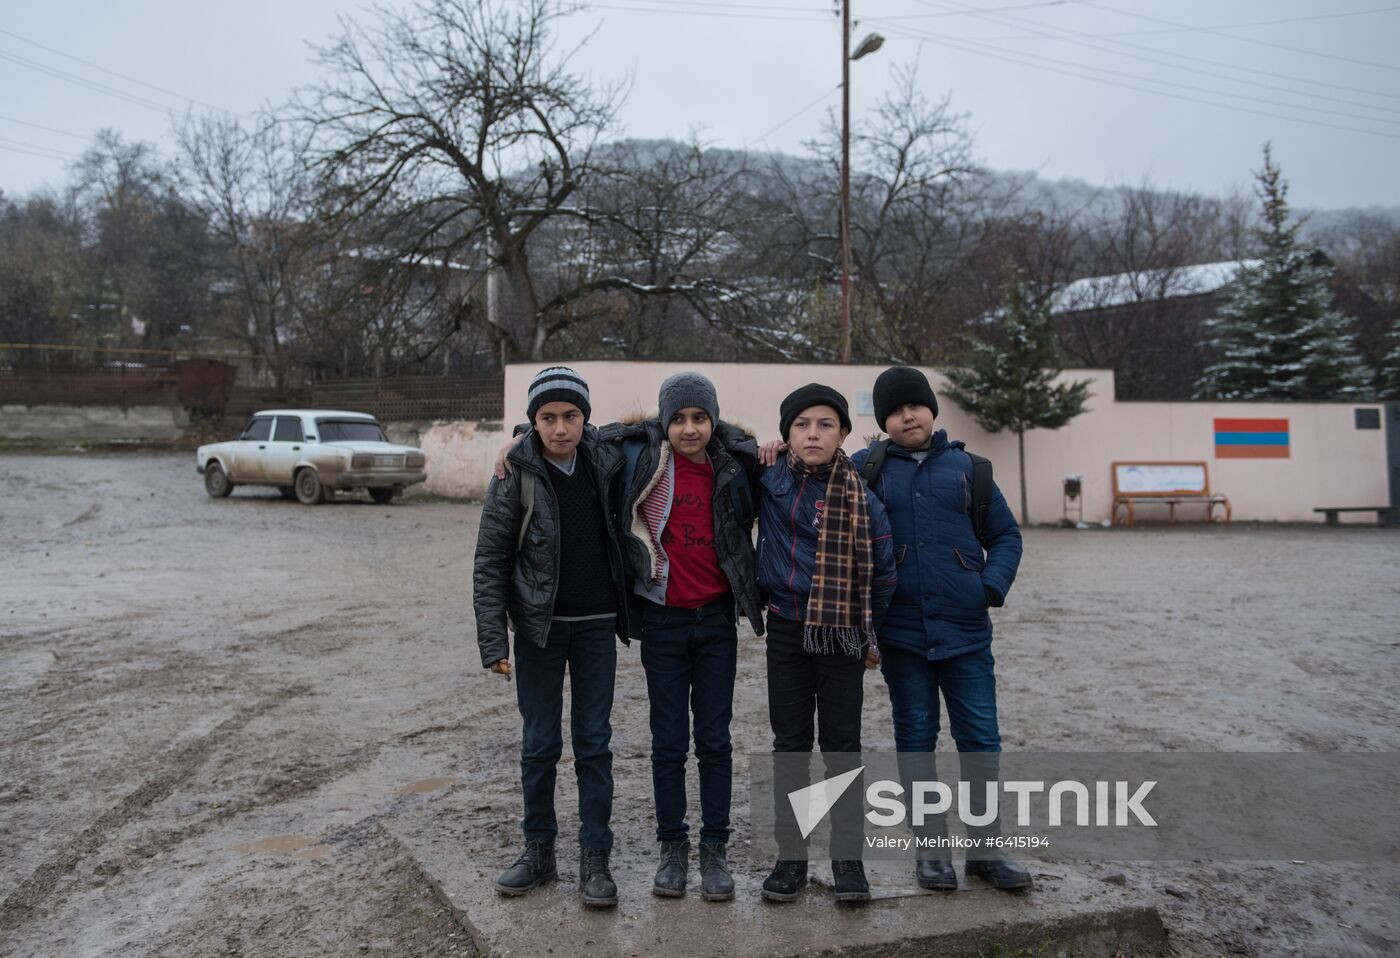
(787, 543)
(945, 582)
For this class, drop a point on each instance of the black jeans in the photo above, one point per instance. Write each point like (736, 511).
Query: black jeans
(803, 686)
(691, 657)
(589, 650)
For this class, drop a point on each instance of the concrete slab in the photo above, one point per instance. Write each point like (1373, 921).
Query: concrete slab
(1069, 909)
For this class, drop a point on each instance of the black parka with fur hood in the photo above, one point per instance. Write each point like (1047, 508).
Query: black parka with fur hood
(733, 454)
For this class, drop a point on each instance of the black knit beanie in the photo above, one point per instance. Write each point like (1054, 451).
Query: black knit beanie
(899, 385)
(812, 394)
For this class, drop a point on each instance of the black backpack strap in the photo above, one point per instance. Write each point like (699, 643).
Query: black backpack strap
(874, 462)
(981, 495)
(741, 499)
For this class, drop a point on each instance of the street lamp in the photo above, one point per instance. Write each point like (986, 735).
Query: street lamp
(870, 44)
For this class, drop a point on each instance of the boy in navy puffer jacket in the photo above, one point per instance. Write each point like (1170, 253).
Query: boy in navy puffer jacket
(937, 634)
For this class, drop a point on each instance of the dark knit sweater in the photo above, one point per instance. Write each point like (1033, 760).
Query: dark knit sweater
(585, 575)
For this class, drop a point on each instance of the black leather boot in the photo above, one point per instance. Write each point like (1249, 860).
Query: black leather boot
(716, 883)
(785, 881)
(1001, 872)
(673, 870)
(936, 873)
(534, 867)
(595, 881)
(848, 878)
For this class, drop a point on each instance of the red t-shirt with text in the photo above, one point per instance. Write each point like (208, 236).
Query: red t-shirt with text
(695, 578)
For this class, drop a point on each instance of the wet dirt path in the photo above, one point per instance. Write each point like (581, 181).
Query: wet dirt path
(208, 709)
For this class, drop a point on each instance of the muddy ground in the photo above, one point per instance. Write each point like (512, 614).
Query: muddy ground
(209, 709)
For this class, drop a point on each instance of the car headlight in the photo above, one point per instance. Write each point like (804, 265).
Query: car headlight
(415, 460)
(362, 460)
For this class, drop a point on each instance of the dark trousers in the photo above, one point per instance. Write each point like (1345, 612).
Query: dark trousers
(967, 684)
(803, 686)
(589, 651)
(690, 657)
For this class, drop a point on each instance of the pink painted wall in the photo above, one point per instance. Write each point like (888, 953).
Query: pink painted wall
(1332, 463)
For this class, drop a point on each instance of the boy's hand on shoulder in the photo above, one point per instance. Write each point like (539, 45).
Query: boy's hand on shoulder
(770, 452)
(502, 463)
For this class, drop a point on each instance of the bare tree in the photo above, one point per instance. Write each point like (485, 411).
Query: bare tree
(254, 189)
(458, 125)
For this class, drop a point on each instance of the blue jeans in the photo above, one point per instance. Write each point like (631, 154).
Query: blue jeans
(589, 651)
(691, 657)
(969, 689)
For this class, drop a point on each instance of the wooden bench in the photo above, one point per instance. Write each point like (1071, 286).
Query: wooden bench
(1164, 483)
(1382, 513)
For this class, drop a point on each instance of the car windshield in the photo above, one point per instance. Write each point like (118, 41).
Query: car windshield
(350, 430)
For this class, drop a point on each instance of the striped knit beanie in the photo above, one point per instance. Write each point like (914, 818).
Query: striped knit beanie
(558, 384)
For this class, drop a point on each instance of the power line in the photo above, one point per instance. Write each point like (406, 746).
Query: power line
(40, 126)
(1066, 36)
(1135, 33)
(1195, 59)
(20, 146)
(131, 98)
(967, 47)
(784, 123)
(805, 8)
(123, 76)
(1262, 23)
(1231, 36)
(824, 18)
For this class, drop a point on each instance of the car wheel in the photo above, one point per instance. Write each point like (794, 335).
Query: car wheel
(309, 490)
(381, 497)
(216, 481)
(288, 492)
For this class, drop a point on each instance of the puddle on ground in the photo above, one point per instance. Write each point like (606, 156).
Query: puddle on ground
(426, 785)
(297, 846)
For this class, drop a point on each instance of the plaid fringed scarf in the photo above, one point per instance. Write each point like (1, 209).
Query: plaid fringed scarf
(839, 617)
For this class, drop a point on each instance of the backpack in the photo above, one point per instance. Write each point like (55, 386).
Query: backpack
(981, 483)
(527, 500)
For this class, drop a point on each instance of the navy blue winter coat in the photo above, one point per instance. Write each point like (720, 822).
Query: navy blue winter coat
(945, 581)
(787, 543)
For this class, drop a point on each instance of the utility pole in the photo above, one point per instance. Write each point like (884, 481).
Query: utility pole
(845, 181)
(870, 44)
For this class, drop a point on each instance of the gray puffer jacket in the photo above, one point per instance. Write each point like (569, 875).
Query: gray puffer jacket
(517, 584)
(733, 454)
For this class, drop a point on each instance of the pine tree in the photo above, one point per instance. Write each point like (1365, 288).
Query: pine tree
(1009, 386)
(1388, 376)
(1278, 336)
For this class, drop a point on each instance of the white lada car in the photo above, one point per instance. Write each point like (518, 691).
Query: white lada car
(311, 454)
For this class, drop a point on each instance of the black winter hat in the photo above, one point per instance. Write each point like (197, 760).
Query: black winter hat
(899, 385)
(812, 394)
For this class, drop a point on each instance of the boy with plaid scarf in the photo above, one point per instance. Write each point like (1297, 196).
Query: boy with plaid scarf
(826, 567)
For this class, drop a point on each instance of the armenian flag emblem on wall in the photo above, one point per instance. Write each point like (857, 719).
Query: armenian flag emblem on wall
(1251, 438)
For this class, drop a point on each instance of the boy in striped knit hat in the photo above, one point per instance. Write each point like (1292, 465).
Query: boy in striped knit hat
(549, 568)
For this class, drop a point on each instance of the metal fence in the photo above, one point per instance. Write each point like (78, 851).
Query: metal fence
(97, 376)
(415, 397)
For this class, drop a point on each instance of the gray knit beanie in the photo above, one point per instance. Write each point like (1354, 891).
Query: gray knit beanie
(687, 389)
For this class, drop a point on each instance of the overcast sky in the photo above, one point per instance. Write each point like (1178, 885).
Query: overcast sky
(1063, 88)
